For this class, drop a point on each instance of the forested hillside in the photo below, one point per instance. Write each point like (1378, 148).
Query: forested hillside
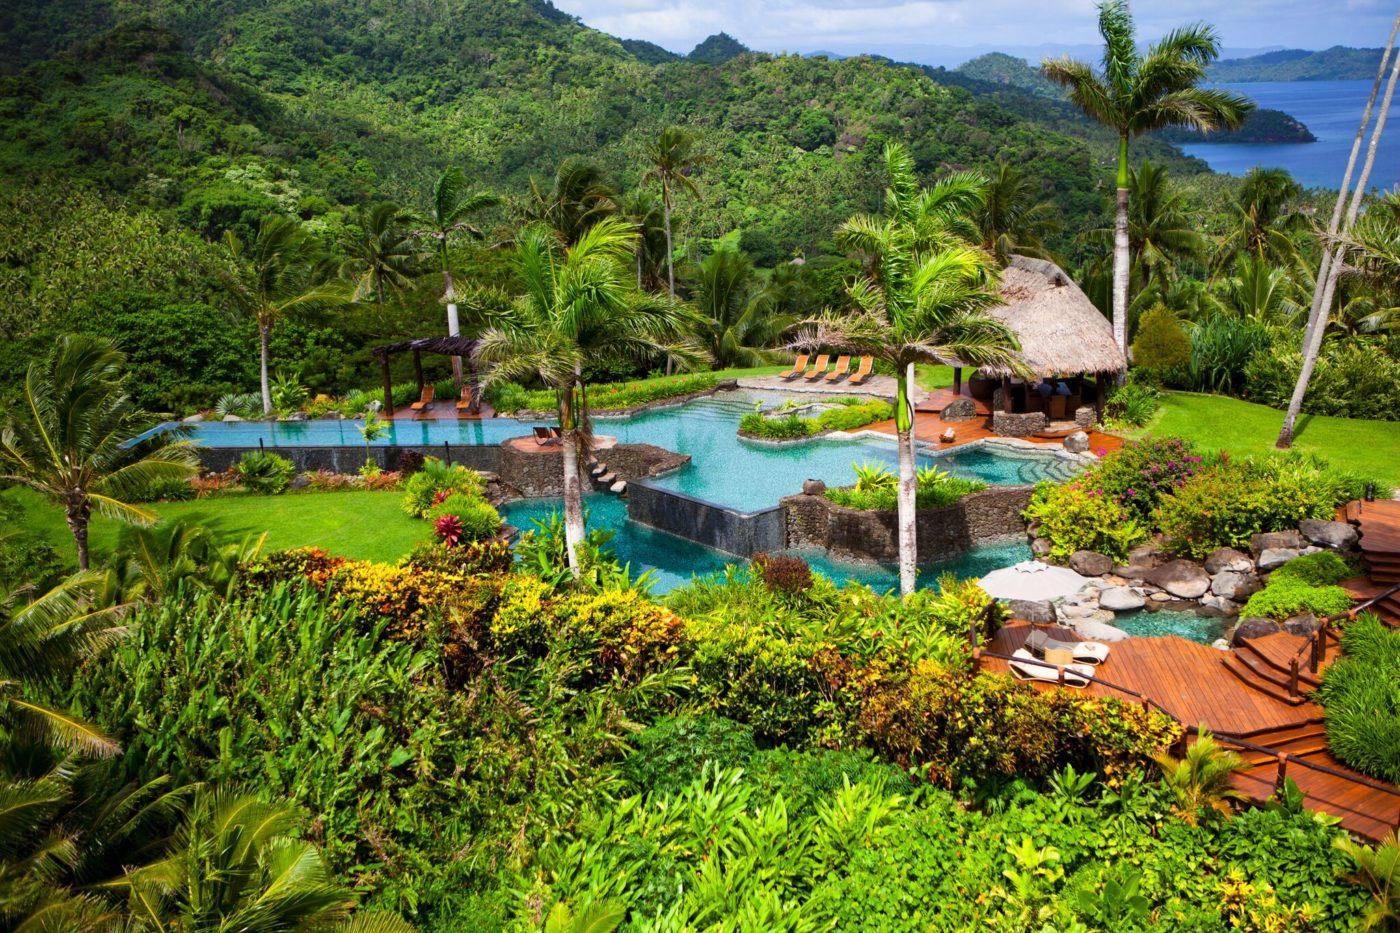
(1338, 63)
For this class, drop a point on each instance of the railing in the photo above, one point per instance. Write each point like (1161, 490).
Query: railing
(1316, 645)
(1282, 759)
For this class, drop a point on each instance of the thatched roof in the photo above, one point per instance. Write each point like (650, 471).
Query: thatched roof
(1060, 330)
(445, 346)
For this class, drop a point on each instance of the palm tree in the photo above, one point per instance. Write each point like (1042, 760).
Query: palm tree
(380, 254)
(278, 272)
(577, 306)
(1378, 871)
(737, 318)
(450, 214)
(1260, 293)
(916, 304)
(70, 439)
(42, 638)
(579, 198)
(1262, 221)
(642, 210)
(673, 158)
(1138, 93)
(1202, 781)
(1162, 231)
(1015, 218)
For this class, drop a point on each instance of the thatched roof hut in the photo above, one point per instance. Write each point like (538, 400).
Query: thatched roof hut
(1060, 330)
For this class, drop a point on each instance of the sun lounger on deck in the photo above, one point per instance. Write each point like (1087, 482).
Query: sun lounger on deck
(843, 366)
(468, 398)
(426, 400)
(818, 367)
(1083, 652)
(545, 436)
(862, 373)
(1025, 666)
(797, 367)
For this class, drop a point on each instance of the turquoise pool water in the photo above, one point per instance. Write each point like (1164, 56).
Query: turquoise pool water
(675, 561)
(724, 468)
(1149, 623)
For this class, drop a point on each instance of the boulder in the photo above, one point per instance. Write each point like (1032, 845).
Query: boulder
(1121, 599)
(300, 481)
(1091, 630)
(1339, 536)
(1235, 586)
(1160, 597)
(1074, 613)
(1077, 443)
(1146, 555)
(1219, 603)
(1134, 573)
(963, 409)
(1228, 560)
(1304, 623)
(193, 419)
(1032, 610)
(1181, 578)
(813, 487)
(1255, 628)
(1258, 544)
(1090, 563)
(1041, 547)
(1272, 558)
(297, 416)
(232, 418)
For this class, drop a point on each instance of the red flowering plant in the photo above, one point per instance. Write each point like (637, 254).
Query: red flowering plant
(449, 530)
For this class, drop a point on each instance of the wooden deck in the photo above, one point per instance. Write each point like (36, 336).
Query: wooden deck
(929, 427)
(1379, 524)
(1194, 684)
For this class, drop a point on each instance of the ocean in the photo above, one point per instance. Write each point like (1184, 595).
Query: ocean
(1332, 110)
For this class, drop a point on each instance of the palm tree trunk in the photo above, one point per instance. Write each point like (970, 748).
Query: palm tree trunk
(453, 327)
(908, 539)
(573, 500)
(1319, 329)
(1332, 259)
(670, 257)
(264, 333)
(1121, 259)
(79, 514)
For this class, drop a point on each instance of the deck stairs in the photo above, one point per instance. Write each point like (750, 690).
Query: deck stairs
(1379, 525)
(1265, 664)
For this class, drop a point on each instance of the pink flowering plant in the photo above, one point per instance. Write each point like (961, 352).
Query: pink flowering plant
(1143, 473)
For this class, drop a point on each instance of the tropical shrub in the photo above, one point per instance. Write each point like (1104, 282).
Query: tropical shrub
(475, 518)
(245, 405)
(1321, 569)
(877, 489)
(1072, 518)
(434, 482)
(27, 559)
(170, 489)
(783, 573)
(847, 415)
(1134, 404)
(787, 428)
(264, 472)
(1360, 695)
(606, 396)
(669, 753)
(1142, 472)
(1161, 342)
(474, 558)
(1289, 597)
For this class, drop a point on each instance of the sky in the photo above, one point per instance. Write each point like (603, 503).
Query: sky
(925, 30)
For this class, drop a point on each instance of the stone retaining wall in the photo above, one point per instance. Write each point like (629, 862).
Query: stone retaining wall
(636, 461)
(1025, 424)
(349, 458)
(984, 517)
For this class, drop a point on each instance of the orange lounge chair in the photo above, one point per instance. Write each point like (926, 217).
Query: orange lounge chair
(818, 368)
(426, 401)
(797, 367)
(862, 373)
(468, 393)
(843, 366)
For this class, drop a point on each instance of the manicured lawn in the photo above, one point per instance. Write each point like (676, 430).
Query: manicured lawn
(1217, 422)
(367, 525)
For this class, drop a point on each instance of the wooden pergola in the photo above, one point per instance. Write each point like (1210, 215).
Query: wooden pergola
(439, 346)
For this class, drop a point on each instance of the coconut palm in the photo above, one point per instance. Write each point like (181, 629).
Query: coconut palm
(924, 305)
(450, 215)
(70, 436)
(643, 211)
(1378, 871)
(1263, 221)
(44, 636)
(738, 319)
(673, 157)
(577, 306)
(278, 272)
(578, 198)
(381, 255)
(1162, 232)
(1202, 781)
(1015, 218)
(1261, 293)
(1138, 93)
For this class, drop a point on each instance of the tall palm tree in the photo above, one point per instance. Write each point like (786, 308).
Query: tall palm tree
(70, 439)
(1162, 232)
(1138, 93)
(1263, 222)
(381, 255)
(578, 198)
(577, 306)
(450, 215)
(642, 210)
(277, 273)
(44, 637)
(673, 157)
(916, 305)
(738, 318)
(1016, 219)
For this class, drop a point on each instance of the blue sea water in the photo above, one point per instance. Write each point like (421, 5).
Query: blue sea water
(1332, 110)
(675, 561)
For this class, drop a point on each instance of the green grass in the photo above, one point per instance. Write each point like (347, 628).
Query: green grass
(1217, 422)
(365, 525)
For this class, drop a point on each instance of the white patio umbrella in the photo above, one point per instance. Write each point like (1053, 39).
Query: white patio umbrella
(1032, 580)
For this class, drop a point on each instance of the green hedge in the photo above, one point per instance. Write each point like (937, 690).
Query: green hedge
(1361, 697)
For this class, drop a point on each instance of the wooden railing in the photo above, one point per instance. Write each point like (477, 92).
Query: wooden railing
(1316, 645)
(1282, 760)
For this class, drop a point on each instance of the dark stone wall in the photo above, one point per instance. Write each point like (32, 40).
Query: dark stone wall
(636, 461)
(742, 533)
(852, 534)
(349, 458)
(535, 473)
(1019, 425)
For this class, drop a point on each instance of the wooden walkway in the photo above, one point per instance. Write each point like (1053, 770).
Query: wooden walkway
(1193, 683)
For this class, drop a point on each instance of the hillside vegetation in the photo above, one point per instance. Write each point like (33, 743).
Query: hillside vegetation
(1338, 63)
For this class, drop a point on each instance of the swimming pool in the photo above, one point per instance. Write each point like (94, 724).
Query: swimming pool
(725, 469)
(1193, 626)
(675, 561)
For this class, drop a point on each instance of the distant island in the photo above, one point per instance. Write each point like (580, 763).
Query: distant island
(1338, 63)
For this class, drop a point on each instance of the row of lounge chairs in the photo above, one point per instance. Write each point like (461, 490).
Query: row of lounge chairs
(818, 370)
(425, 401)
(1045, 657)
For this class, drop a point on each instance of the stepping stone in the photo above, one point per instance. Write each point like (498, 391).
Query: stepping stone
(619, 487)
(607, 479)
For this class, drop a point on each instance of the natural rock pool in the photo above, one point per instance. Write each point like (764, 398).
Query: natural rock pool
(1194, 626)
